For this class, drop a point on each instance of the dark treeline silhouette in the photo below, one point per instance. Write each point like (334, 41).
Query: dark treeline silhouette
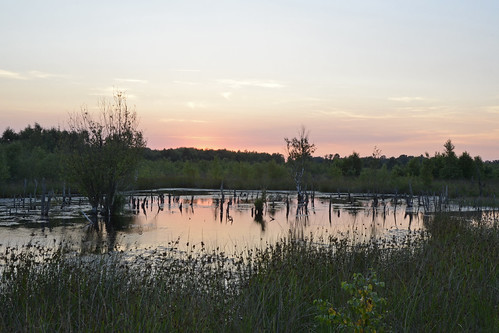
(32, 153)
(194, 154)
(35, 153)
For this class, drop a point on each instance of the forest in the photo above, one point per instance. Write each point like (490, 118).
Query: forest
(34, 154)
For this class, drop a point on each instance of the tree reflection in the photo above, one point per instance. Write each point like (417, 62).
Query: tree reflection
(259, 219)
(101, 237)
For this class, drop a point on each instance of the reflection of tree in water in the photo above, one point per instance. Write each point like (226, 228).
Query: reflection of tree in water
(221, 211)
(353, 211)
(271, 210)
(259, 219)
(409, 213)
(301, 211)
(101, 237)
(297, 228)
(374, 229)
(301, 221)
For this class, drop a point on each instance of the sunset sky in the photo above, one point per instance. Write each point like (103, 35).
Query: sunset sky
(404, 76)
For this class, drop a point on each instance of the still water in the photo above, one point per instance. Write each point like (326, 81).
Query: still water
(187, 218)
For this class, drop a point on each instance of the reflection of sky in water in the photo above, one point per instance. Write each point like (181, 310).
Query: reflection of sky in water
(207, 221)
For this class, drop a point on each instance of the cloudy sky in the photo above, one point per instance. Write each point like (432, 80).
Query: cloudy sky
(404, 76)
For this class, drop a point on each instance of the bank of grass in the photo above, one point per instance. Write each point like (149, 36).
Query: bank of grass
(445, 279)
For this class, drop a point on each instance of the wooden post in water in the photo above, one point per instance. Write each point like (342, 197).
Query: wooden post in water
(312, 197)
(63, 194)
(69, 195)
(24, 190)
(330, 206)
(15, 207)
(43, 198)
(34, 193)
(396, 199)
(222, 191)
(287, 206)
(47, 206)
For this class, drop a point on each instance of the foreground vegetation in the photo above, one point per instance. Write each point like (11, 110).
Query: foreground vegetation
(443, 279)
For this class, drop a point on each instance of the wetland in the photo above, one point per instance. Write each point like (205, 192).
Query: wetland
(214, 218)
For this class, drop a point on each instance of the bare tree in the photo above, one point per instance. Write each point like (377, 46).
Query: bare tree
(299, 151)
(104, 151)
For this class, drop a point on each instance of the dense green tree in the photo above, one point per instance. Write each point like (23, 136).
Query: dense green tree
(9, 136)
(467, 165)
(398, 171)
(216, 171)
(392, 161)
(414, 166)
(4, 167)
(479, 166)
(450, 168)
(449, 149)
(352, 165)
(426, 172)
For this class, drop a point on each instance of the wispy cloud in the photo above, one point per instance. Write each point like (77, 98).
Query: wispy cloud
(34, 74)
(106, 91)
(185, 70)
(251, 83)
(407, 99)
(189, 83)
(226, 95)
(176, 120)
(432, 111)
(43, 75)
(348, 115)
(110, 91)
(196, 105)
(492, 109)
(131, 81)
(11, 75)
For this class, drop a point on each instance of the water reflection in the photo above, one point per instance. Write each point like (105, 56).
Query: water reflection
(224, 219)
(101, 237)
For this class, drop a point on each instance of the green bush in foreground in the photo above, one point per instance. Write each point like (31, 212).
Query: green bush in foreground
(364, 312)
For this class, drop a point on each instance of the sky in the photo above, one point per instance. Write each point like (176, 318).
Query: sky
(402, 76)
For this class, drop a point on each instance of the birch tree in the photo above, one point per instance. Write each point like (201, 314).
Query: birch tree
(299, 151)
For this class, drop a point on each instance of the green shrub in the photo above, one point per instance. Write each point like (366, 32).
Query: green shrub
(364, 311)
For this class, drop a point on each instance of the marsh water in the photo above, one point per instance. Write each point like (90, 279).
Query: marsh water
(190, 218)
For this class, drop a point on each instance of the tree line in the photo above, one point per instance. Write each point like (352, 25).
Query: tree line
(40, 153)
(194, 154)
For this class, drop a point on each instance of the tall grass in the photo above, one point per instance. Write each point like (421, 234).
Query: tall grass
(443, 279)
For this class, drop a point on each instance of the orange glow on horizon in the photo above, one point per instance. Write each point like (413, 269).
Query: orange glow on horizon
(364, 150)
